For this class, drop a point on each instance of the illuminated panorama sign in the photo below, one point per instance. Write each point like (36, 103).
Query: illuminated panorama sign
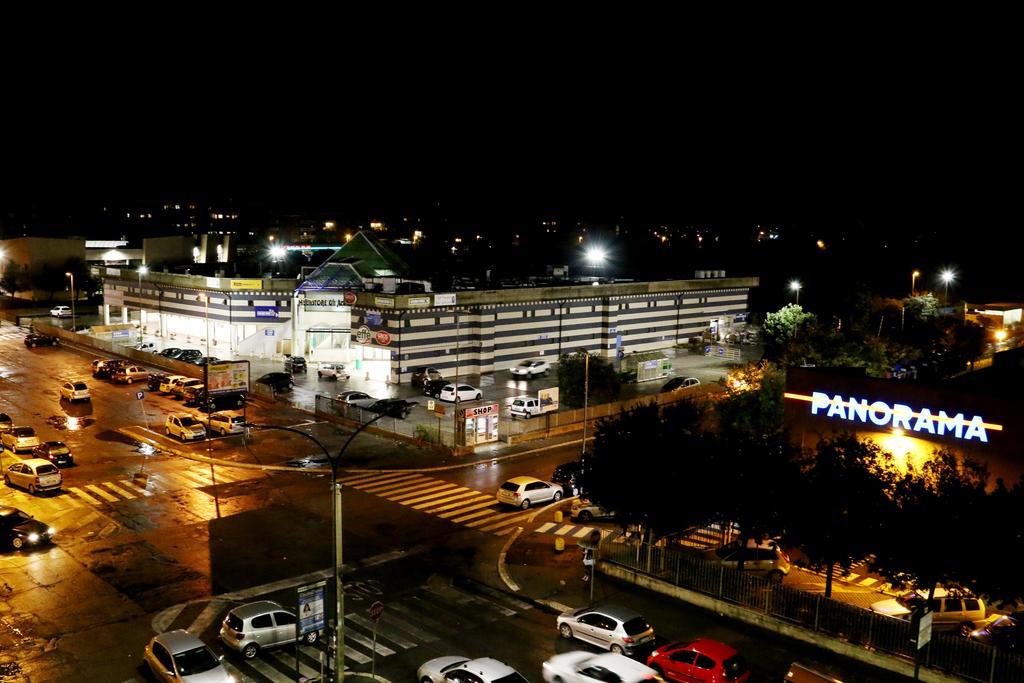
(898, 416)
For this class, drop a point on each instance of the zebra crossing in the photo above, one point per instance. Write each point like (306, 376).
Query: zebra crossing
(432, 612)
(858, 574)
(457, 504)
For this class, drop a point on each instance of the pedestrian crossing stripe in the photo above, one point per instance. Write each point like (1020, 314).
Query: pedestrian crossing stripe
(101, 493)
(491, 500)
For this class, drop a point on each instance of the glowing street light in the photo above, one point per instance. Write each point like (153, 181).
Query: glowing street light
(595, 257)
(74, 325)
(947, 276)
(1000, 335)
(913, 278)
(795, 286)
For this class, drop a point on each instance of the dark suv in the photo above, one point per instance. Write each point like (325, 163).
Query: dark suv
(35, 339)
(155, 378)
(106, 370)
(278, 381)
(190, 355)
(570, 476)
(295, 364)
(433, 387)
(420, 376)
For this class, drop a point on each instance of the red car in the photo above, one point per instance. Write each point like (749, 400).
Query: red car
(701, 660)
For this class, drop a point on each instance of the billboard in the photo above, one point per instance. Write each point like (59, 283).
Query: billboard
(225, 378)
(247, 284)
(548, 400)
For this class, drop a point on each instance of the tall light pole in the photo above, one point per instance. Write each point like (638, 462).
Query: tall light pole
(206, 315)
(143, 270)
(913, 277)
(795, 286)
(74, 325)
(947, 276)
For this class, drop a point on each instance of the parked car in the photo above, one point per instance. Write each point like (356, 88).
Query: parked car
(226, 422)
(189, 355)
(585, 511)
(466, 393)
(433, 387)
(20, 439)
(332, 371)
(19, 529)
(680, 383)
(525, 406)
(586, 667)
(278, 381)
(352, 396)
(395, 407)
(193, 394)
(522, 492)
(949, 611)
(260, 625)
(107, 369)
(570, 476)
(6, 423)
(171, 352)
(61, 311)
(210, 403)
(180, 657)
(453, 669)
(295, 364)
(764, 559)
(420, 376)
(156, 379)
(74, 391)
(145, 346)
(609, 627)
(178, 388)
(528, 369)
(184, 426)
(131, 373)
(169, 381)
(34, 474)
(1005, 632)
(35, 339)
(205, 360)
(56, 452)
(702, 660)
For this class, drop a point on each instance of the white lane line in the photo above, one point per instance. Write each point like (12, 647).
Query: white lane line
(459, 504)
(167, 617)
(83, 495)
(382, 479)
(102, 494)
(545, 527)
(117, 489)
(363, 477)
(353, 654)
(194, 478)
(392, 484)
(454, 494)
(494, 526)
(490, 510)
(366, 642)
(262, 667)
(287, 657)
(206, 617)
(489, 503)
(563, 530)
(382, 630)
(502, 569)
(425, 494)
(410, 487)
(868, 582)
(403, 625)
(128, 484)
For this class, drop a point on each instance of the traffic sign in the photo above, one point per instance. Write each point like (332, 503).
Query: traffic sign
(139, 395)
(376, 611)
(430, 406)
(924, 629)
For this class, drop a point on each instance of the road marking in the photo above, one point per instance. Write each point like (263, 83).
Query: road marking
(117, 489)
(382, 629)
(193, 478)
(564, 529)
(166, 617)
(513, 519)
(502, 569)
(489, 504)
(433, 492)
(82, 494)
(434, 504)
(392, 484)
(489, 511)
(287, 657)
(868, 582)
(103, 494)
(206, 617)
(412, 488)
(403, 625)
(135, 487)
(545, 527)
(583, 532)
(267, 670)
(366, 642)
(361, 477)
(355, 655)
(460, 504)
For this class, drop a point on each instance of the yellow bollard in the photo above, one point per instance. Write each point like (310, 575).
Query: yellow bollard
(558, 516)
(559, 544)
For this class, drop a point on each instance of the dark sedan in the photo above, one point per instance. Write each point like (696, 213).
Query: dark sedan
(189, 355)
(433, 387)
(155, 378)
(19, 529)
(395, 407)
(278, 381)
(56, 452)
(1005, 632)
(203, 360)
(33, 340)
(570, 476)
(171, 352)
(106, 370)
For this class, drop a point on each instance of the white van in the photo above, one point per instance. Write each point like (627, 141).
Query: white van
(525, 406)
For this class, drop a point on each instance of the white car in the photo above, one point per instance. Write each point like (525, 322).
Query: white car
(20, 439)
(168, 383)
(525, 406)
(60, 312)
(466, 393)
(226, 422)
(184, 426)
(332, 371)
(587, 667)
(178, 388)
(180, 657)
(74, 391)
(530, 368)
(585, 511)
(34, 474)
(353, 396)
(522, 492)
(465, 670)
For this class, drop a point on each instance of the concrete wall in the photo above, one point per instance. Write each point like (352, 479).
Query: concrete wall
(167, 251)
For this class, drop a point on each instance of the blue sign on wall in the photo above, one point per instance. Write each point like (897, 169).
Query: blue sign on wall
(266, 311)
(373, 319)
(311, 608)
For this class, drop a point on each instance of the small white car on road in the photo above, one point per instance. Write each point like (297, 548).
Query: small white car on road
(586, 667)
(525, 406)
(60, 312)
(226, 422)
(169, 381)
(332, 371)
(74, 391)
(20, 439)
(454, 669)
(530, 368)
(466, 393)
(180, 657)
(34, 474)
(522, 492)
(184, 426)
(585, 511)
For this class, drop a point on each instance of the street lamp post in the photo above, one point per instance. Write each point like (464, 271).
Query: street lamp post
(595, 257)
(336, 541)
(143, 270)
(795, 286)
(74, 325)
(913, 277)
(947, 276)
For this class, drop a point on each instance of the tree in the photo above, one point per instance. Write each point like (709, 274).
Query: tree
(785, 323)
(13, 279)
(753, 403)
(921, 307)
(1003, 528)
(603, 381)
(844, 490)
(965, 342)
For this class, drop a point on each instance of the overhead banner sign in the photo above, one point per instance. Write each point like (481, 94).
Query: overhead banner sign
(266, 311)
(247, 284)
(418, 301)
(311, 608)
(225, 378)
(444, 299)
(384, 301)
(898, 416)
(326, 304)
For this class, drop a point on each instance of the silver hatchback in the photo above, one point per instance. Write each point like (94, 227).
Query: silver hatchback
(258, 625)
(610, 627)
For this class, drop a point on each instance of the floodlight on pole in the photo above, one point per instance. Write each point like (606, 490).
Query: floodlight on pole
(595, 257)
(74, 325)
(795, 286)
(913, 278)
(947, 276)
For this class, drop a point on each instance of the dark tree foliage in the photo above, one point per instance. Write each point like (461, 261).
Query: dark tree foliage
(844, 492)
(753, 403)
(932, 537)
(603, 380)
(1002, 527)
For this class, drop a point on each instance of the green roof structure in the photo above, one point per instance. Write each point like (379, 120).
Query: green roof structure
(363, 258)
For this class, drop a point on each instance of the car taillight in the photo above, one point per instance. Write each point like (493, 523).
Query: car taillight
(516, 494)
(627, 640)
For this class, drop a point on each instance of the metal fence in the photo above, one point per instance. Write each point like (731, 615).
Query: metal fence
(948, 652)
(427, 429)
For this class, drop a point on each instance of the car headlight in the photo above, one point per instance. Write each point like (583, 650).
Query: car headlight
(33, 537)
(50, 530)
